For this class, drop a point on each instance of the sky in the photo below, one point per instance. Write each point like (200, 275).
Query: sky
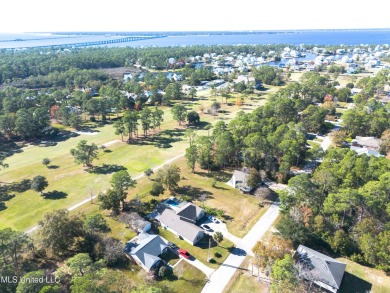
(189, 15)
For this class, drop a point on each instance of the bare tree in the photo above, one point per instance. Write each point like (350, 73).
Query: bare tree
(132, 220)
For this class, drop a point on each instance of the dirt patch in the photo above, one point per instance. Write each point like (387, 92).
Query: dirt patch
(117, 72)
(265, 194)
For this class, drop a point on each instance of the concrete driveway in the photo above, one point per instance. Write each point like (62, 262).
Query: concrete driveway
(274, 185)
(221, 227)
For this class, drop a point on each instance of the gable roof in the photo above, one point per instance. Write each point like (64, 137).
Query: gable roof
(190, 211)
(148, 249)
(240, 175)
(185, 229)
(141, 224)
(368, 141)
(321, 267)
(366, 151)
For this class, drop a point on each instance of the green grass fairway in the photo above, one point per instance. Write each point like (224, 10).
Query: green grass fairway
(72, 182)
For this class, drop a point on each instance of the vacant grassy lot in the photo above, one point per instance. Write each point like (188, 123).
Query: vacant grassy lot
(243, 281)
(361, 279)
(241, 210)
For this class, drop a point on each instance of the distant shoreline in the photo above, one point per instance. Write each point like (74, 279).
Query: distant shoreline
(317, 37)
(233, 32)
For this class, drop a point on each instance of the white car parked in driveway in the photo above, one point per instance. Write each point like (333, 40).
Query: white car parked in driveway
(206, 228)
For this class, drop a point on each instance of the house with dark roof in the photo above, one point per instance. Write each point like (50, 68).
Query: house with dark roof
(190, 213)
(182, 227)
(146, 249)
(319, 268)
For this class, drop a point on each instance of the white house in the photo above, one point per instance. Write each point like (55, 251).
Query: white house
(238, 179)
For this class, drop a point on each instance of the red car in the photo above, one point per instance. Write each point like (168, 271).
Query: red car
(184, 253)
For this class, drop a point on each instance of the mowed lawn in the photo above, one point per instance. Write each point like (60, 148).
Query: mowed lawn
(186, 279)
(200, 251)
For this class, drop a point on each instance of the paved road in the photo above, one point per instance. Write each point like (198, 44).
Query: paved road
(220, 278)
(93, 197)
(328, 140)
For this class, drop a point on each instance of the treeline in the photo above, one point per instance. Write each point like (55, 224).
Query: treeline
(70, 78)
(344, 204)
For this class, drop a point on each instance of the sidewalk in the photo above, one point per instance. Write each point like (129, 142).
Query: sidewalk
(199, 265)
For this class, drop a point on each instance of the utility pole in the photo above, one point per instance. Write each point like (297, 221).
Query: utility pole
(208, 251)
(90, 192)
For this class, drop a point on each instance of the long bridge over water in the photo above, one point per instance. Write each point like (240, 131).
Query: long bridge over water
(113, 41)
(74, 44)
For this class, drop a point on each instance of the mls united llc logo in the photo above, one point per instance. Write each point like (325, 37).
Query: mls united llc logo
(42, 280)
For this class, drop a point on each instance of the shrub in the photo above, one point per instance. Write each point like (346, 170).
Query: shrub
(157, 189)
(165, 272)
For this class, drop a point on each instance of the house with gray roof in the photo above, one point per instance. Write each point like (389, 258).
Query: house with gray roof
(145, 250)
(365, 151)
(190, 213)
(369, 142)
(182, 225)
(319, 268)
(238, 179)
